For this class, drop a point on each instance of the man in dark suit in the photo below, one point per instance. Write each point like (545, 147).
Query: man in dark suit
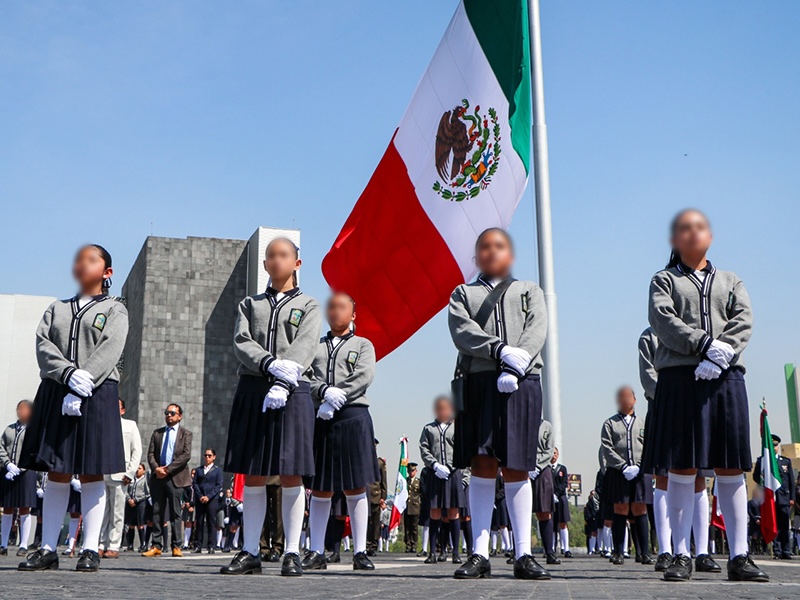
(411, 516)
(376, 493)
(784, 499)
(207, 485)
(168, 456)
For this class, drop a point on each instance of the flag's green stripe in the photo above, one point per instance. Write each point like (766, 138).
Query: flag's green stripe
(501, 27)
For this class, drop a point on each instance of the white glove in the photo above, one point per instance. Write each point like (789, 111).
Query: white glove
(76, 485)
(13, 469)
(225, 521)
(720, 353)
(534, 474)
(507, 383)
(335, 397)
(82, 383)
(325, 411)
(10, 476)
(516, 358)
(39, 493)
(707, 370)
(630, 472)
(287, 370)
(240, 507)
(555, 498)
(71, 405)
(441, 471)
(275, 398)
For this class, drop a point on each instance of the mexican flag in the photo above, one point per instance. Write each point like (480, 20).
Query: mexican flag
(400, 486)
(770, 481)
(456, 165)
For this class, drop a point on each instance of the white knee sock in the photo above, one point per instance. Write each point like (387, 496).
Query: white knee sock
(93, 507)
(681, 511)
(318, 514)
(293, 506)
(25, 522)
(346, 542)
(606, 538)
(236, 538)
(625, 543)
(732, 498)
(8, 521)
(255, 509)
(592, 544)
(219, 538)
(481, 503)
(661, 514)
(494, 538)
(426, 534)
(187, 535)
(519, 498)
(506, 539)
(72, 534)
(712, 547)
(54, 505)
(700, 522)
(564, 534)
(358, 509)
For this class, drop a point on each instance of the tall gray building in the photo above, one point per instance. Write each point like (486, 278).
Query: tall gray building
(182, 297)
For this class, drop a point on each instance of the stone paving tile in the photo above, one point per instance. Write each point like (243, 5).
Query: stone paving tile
(397, 576)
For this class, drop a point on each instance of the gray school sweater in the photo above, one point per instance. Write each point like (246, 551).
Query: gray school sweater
(268, 329)
(348, 365)
(547, 445)
(519, 319)
(620, 443)
(648, 342)
(687, 314)
(436, 445)
(90, 337)
(11, 443)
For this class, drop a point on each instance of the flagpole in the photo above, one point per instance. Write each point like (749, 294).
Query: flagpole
(544, 233)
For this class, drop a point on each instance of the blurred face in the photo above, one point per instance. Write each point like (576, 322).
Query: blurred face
(555, 456)
(340, 312)
(228, 493)
(494, 256)
(89, 269)
(121, 408)
(140, 471)
(23, 413)
(281, 260)
(692, 235)
(443, 411)
(209, 457)
(625, 401)
(412, 471)
(172, 416)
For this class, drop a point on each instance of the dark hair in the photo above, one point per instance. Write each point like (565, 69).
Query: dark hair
(294, 247)
(675, 257)
(106, 256)
(214, 452)
(177, 406)
(499, 230)
(27, 403)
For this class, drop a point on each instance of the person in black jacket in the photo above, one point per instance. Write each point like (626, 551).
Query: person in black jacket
(561, 513)
(207, 486)
(784, 499)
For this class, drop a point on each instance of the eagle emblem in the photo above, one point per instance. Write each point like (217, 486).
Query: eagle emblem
(467, 151)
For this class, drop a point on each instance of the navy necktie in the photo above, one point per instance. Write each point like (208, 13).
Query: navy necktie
(164, 445)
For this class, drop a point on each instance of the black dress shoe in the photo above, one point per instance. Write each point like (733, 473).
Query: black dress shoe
(526, 567)
(663, 561)
(509, 561)
(552, 559)
(88, 562)
(456, 559)
(274, 556)
(476, 567)
(442, 557)
(361, 562)
(3, 551)
(431, 560)
(568, 554)
(334, 558)
(243, 563)
(197, 550)
(786, 556)
(421, 554)
(314, 561)
(705, 564)
(372, 553)
(226, 549)
(617, 559)
(24, 551)
(742, 568)
(680, 569)
(291, 565)
(638, 558)
(646, 559)
(212, 550)
(41, 560)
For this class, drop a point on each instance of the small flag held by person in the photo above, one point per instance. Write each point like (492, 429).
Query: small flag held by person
(400, 487)
(770, 480)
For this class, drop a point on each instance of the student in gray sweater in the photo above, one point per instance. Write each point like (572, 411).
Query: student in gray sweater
(499, 396)
(75, 428)
(271, 430)
(344, 438)
(700, 415)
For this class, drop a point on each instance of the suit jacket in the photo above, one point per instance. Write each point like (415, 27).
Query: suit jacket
(377, 491)
(560, 480)
(414, 496)
(788, 490)
(208, 484)
(178, 469)
(132, 442)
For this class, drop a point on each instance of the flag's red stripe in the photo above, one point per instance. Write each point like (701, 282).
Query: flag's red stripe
(394, 520)
(769, 521)
(391, 259)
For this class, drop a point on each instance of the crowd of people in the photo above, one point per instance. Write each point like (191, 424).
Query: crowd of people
(302, 445)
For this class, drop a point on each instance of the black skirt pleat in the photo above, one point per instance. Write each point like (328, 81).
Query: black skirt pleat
(74, 504)
(446, 493)
(698, 424)
(20, 492)
(543, 492)
(87, 445)
(275, 442)
(619, 490)
(500, 515)
(505, 426)
(464, 511)
(344, 451)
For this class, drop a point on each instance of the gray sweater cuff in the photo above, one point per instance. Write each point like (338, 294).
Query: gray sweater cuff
(496, 349)
(65, 376)
(284, 384)
(705, 345)
(268, 360)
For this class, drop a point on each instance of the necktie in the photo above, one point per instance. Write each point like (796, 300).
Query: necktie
(164, 446)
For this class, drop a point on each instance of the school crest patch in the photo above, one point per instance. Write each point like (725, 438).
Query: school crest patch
(99, 322)
(525, 301)
(296, 316)
(352, 358)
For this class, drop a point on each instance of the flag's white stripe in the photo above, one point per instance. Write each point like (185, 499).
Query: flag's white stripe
(459, 70)
(768, 479)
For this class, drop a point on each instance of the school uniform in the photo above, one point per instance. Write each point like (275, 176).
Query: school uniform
(138, 491)
(560, 482)
(19, 492)
(207, 482)
(505, 426)
(500, 518)
(344, 446)
(272, 326)
(648, 377)
(621, 444)
(698, 424)
(74, 503)
(436, 444)
(87, 334)
(543, 484)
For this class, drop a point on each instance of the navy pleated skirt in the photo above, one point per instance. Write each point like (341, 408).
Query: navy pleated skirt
(87, 445)
(344, 451)
(500, 515)
(698, 424)
(543, 492)
(19, 493)
(275, 442)
(619, 490)
(74, 504)
(561, 510)
(648, 427)
(464, 512)
(505, 426)
(446, 493)
(338, 504)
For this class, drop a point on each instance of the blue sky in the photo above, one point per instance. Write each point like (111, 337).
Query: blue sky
(118, 120)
